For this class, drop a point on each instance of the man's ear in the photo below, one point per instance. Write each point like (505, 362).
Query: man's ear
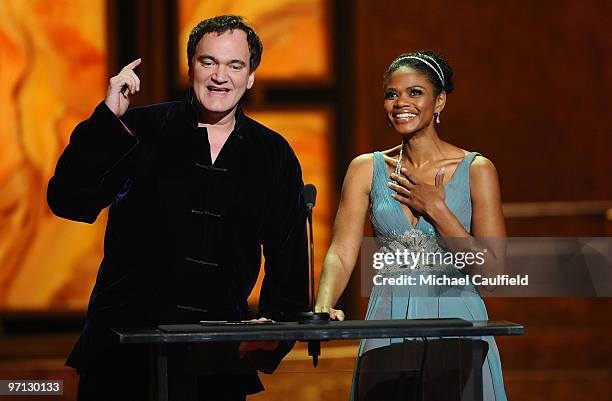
(440, 102)
(251, 80)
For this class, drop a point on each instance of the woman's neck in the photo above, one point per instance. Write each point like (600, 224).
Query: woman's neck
(422, 148)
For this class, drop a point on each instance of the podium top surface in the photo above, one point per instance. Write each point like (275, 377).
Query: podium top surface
(334, 330)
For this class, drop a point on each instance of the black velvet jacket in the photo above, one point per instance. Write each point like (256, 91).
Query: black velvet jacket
(184, 236)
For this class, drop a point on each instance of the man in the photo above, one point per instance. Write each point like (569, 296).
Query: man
(195, 189)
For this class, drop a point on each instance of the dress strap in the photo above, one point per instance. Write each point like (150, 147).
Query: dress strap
(462, 173)
(379, 175)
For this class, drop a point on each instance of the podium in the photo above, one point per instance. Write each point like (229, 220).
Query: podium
(160, 337)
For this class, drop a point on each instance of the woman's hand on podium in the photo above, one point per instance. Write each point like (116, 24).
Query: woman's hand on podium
(334, 314)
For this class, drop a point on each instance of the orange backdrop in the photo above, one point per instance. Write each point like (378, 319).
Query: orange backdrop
(52, 73)
(53, 57)
(294, 34)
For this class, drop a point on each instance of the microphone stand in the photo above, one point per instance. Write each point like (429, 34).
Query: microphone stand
(312, 317)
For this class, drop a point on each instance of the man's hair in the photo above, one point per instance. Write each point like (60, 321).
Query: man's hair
(221, 24)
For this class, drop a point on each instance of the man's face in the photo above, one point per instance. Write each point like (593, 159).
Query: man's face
(219, 73)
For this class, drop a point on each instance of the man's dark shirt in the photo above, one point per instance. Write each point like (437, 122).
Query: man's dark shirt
(184, 236)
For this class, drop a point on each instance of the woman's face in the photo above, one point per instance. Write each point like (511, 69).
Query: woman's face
(410, 102)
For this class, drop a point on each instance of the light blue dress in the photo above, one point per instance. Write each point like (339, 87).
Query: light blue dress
(389, 221)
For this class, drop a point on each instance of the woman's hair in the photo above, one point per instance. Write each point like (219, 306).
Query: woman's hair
(429, 63)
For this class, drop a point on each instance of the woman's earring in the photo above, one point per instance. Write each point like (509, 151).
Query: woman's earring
(437, 118)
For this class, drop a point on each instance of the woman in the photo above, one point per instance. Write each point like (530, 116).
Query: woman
(424, 190)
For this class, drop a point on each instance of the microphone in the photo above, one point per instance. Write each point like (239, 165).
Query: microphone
(309, 195)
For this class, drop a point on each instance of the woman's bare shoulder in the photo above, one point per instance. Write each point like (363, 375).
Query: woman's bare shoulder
(362, 164)
(481, 165)
(360, 171)
(363, 159)
(483, 175)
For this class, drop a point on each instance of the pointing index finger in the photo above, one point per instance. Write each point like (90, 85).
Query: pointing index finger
(133, 64)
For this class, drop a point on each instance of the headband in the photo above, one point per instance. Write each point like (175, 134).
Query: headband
(439, 73)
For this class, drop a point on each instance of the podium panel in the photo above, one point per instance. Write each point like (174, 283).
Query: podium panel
(438, 358)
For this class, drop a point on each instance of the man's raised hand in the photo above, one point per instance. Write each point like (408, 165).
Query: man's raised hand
(121, 86)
